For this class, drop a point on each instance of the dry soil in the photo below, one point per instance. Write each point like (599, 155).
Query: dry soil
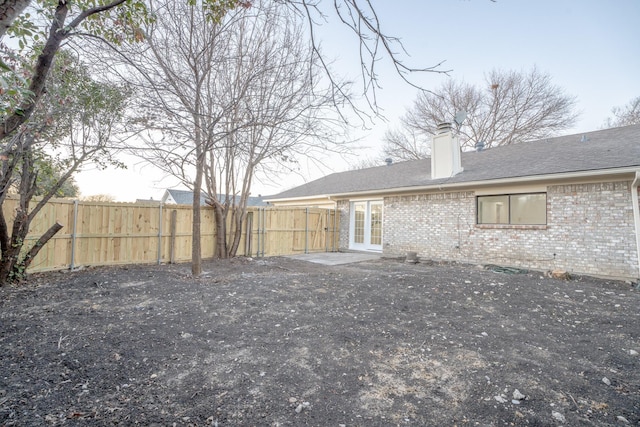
(282, 342)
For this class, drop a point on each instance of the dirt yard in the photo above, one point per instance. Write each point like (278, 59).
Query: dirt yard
(281, 342)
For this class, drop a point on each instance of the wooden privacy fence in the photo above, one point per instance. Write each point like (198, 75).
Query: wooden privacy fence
(98, 233)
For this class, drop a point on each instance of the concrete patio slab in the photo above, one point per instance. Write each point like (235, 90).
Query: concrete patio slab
(336, 258)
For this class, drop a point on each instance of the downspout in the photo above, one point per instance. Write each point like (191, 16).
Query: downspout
(636, 215)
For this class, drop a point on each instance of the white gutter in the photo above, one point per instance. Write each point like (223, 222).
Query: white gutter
(636, 214)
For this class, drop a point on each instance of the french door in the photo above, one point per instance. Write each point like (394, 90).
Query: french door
(365, 227)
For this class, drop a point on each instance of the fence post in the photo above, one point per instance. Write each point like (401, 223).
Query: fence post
(172, 242)
(247, 236)
(335, 230)
(73, 235)
(306, 231)
(264, 230)
(258, 232)
(326, 232)
(160, 234)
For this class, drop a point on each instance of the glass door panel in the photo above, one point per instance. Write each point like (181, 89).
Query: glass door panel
(376, 224)
(359, 222)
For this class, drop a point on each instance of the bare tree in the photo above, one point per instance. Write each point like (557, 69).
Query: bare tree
(511, 107)
(220, 99)
(370, 162)
(180, 96)
(628, 114)
(406, 144)
(284, 113)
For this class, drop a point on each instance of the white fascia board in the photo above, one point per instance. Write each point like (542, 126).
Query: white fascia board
(301, 198)
(601, 173)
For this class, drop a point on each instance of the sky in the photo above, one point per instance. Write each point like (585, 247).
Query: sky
(591, 49)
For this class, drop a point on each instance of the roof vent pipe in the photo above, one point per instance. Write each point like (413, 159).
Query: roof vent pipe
(479, 145)
(388, 161)
(443, 128)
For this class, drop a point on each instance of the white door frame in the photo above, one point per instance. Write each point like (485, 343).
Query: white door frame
(368, 222)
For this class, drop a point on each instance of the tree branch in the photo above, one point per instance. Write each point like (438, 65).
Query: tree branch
(86, 13)
(35, 249)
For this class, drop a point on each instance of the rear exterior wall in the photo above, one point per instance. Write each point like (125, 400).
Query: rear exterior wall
(590, 230)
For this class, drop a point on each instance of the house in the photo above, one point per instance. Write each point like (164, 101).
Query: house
(185, 197)
(568, 203)
(181, 197)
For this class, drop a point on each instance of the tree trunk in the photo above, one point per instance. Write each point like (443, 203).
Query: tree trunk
(41, 70)
(196, 247)
(9, 265)
(221, 230)
(33, 252)
(4, 231)
(9, 11)
(239, 218)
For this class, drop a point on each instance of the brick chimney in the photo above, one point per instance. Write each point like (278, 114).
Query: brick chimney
(445, 153)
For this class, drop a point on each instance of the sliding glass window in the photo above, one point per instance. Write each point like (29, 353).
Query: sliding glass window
(515, 209)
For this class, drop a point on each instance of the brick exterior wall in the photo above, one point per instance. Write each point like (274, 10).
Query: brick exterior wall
(593, 229)
(590, 230)
(343, 209)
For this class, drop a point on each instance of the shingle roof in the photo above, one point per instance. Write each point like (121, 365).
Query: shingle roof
(592, 151)
(185, 197)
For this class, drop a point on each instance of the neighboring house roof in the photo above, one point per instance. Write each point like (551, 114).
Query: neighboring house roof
(182, 197)
(608, 149)
(148, 201)
(185, 197)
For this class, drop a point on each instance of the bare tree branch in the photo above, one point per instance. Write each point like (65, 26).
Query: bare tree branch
(628, 114)
(511, 107)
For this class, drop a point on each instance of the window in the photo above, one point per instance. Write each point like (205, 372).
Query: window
(514, 209)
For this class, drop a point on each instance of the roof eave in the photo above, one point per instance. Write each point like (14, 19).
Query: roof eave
(300, 198)
(612, 172)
